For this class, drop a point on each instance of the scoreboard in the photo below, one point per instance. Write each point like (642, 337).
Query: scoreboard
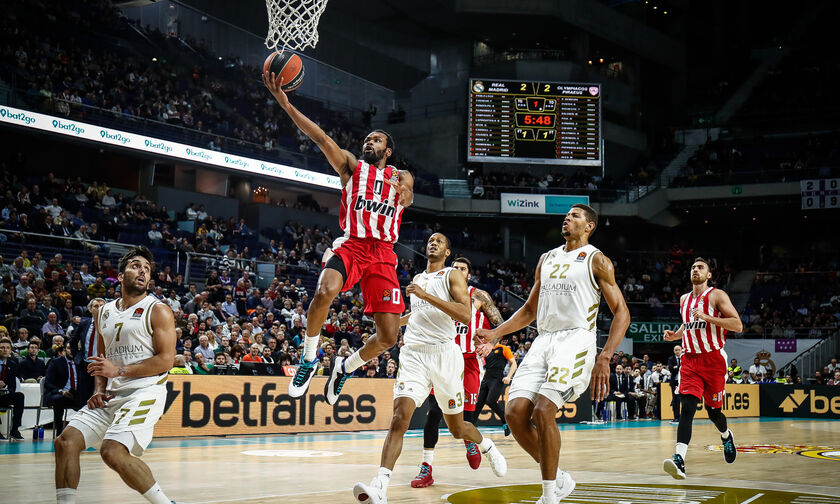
(820, 193)
(534, 122)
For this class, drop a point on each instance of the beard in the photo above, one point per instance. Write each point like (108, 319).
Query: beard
(698, 280)
(372, 157)
(132, 289)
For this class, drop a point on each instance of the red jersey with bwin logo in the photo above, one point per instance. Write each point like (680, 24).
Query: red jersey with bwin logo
(464, 333)
(370, 208)
(700, 336)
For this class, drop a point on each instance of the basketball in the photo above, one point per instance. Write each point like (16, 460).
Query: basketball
(287, 67)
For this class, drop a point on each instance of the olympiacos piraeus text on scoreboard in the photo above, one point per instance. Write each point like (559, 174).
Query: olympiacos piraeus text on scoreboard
(534, 122)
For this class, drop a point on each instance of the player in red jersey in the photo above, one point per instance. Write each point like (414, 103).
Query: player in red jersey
(707, 313)
(373, 197)
(487, 316)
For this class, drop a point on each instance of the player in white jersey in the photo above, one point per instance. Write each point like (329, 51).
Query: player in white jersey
(567, 291)
(135, 352)
(430, 359)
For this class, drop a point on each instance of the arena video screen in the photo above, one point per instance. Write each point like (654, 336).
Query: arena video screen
(533, 122)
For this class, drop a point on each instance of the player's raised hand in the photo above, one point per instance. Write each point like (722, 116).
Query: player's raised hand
(273, 85)
(600, 383)
(483, 335)
(671, 336)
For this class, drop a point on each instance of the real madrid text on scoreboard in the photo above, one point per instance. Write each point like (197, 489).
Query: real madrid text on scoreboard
(534, 122)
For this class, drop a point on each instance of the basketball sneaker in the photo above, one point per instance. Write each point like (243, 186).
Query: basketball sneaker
(423, 479)
(473, 455)
(565, 484)
(548, 499)
(300, 383)
(370, 494)
(675, 466)
(729, 451)
(337, 378)
(507, 430)
(497, 460)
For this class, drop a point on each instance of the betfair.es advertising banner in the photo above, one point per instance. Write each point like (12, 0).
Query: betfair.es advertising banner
(738, 401)
(228, 405)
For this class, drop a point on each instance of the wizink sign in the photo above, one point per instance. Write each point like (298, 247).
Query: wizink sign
(94, 133)
(550, 204)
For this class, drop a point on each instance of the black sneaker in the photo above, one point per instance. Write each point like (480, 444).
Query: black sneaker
(3, 438)
(729, 451)
(675, 466)
(507, 430)
(16, 435)
(332, 388)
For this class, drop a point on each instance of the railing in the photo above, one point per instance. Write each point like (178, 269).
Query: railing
(815, 358)
(521, 54)
(604, 195)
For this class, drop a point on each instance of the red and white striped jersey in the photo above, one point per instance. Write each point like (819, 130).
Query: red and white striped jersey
(370, 208)
(464, 333)
(700, 336)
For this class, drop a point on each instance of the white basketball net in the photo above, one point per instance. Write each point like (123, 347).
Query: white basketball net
(293, 24)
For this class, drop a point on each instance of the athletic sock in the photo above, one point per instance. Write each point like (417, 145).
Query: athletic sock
(549, 487)
(485, 444)
(725, 435)
(310, 348)
(156, 496)
(65, 495)
(384, 477)
(352, 363)
(682, 449)
(428, 456)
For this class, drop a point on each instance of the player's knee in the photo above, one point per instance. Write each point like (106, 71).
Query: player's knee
(111, 455)
(64, 445)
(326, 291)
(544, 414)
(400, 422)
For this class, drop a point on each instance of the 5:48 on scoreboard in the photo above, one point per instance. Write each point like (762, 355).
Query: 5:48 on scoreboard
(823, 193)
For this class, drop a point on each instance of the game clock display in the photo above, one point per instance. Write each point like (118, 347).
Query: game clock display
(534, 122)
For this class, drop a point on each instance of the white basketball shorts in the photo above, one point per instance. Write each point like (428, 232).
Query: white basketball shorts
(129, 419)
(558, 366)
(426, 367)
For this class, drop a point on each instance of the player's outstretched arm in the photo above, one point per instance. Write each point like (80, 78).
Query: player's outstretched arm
(459, 308)
(602, 268)
(163, 337)
(523, 316)
(342, 161)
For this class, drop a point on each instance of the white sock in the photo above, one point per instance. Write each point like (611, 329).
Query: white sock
(384, 477)
(156, 496)
(549, 487)
(310, 348)
(428, 456)
(65, 495)
(485, 444)
(725, 435)
(682, 449)
(353, 363)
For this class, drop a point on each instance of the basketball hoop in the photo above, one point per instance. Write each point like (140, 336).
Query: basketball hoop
(293, 24)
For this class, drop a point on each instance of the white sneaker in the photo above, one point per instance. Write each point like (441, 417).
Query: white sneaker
(565, 484)
(370, 494)
(548, 499)
(497, 460)
(300, 383)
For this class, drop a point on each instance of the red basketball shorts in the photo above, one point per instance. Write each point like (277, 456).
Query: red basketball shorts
(472, 381)
(704, 376)
(374, 263)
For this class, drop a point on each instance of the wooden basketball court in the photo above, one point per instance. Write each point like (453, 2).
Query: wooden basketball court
(786, 461)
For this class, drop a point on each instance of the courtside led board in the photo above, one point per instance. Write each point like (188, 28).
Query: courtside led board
(534, 122)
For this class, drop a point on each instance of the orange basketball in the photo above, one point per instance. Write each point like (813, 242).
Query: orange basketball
(286, 66)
